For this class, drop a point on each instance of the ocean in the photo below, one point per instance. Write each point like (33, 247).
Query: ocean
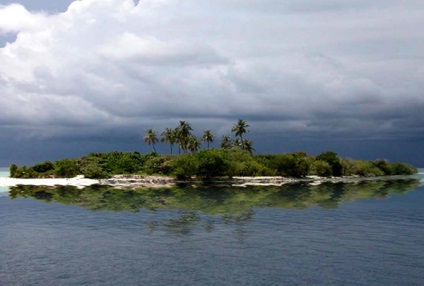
(4, 172)
(368, 233)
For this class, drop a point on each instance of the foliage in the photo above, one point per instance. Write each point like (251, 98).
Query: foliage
(43, 167)
(403, 169)
(94, 171)
(233, 159)
(158, 165)
(384, 166)
(151, 138)
(66, 168)
(185, 166)
(333, 160)
(93, 166)
(321, 168)
(19, 172)
(169, 136)
(183, 133)
(291, 165)
(242, 163)
(13, 169)
(240, 128)
(348, 167)
(208, 137)
(377, 168)
(124, 162)
(193, 144)
(212, 163)
(226, 142)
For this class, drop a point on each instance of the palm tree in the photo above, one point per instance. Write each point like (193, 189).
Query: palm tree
(226, 142)
(193, 144)
(208, 137)
(169, 136)
(240, 128)
(183, 134)
(151, 138)
(248, 146)
(237, 143)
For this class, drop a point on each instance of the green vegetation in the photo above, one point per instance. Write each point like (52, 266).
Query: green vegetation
(151, 138)
(234, 158)
(208, 137)
(210, 163)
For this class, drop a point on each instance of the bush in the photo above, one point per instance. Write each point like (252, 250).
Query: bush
(403, 169)
(367, 169)
(13, 170)
(384, 166)
(94, 171)
(93, 166)
(43, 167)
(242, 163)
(348, 167)
(185, 166)
(291, 165)
(158, 165)
(321, 168)
(332, 159)
(66, 168)
(20, 172)
(124, 162)
(212, 163)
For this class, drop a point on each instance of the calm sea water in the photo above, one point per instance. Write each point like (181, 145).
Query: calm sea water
(4, 172)
(332, 234)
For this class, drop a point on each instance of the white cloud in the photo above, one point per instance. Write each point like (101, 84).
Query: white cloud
(15, 18)
(113, 63)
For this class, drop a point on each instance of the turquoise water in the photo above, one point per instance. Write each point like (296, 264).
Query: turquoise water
(4, 172)
(332, 234)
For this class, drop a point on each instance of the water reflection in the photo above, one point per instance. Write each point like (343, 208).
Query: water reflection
(215, 200)
(232, 203)
(209, 208)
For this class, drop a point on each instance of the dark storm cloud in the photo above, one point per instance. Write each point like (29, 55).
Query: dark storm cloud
(344, 70)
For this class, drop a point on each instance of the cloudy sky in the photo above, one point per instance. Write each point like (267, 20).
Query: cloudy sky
(311, 75)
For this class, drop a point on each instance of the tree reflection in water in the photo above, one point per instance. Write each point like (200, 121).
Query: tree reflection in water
(197, 205)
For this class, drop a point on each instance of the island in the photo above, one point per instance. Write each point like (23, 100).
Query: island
(234, 162)
(234, 166)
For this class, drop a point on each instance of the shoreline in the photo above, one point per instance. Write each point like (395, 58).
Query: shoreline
(138, 181)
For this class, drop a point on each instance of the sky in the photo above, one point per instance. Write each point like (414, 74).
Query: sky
(308, 75)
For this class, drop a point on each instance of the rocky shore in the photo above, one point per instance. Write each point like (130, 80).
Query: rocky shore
(139, 181)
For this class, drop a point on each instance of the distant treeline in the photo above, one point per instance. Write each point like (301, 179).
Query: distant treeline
(210, 163)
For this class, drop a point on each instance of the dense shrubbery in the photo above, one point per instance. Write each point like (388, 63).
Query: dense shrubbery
(332, 160)
(209, 163)
(291, 165)
(212, 163)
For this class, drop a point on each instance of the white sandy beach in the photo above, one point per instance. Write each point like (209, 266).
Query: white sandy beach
(78, 181)
(133, 181)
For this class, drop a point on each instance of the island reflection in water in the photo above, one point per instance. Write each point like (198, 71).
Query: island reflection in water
(297, 234)
(231, 203)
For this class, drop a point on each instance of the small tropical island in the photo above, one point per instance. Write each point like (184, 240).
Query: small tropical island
(233, 162)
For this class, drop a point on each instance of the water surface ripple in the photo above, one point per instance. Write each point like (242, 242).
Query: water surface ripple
(298, 235)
